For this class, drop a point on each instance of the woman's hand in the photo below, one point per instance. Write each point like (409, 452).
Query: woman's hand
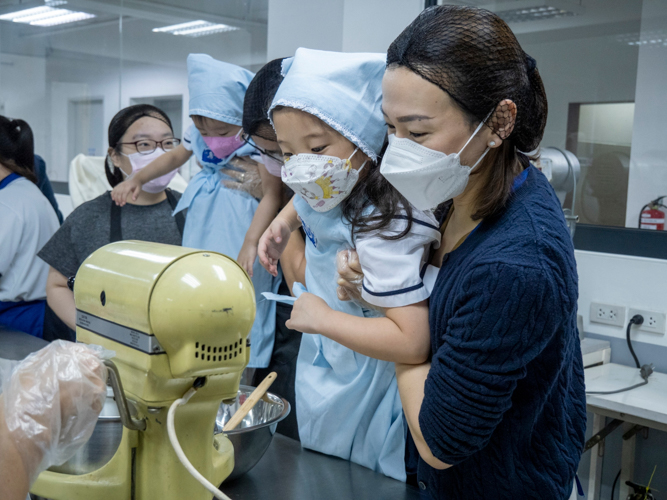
(247, 256)
(247, 179)
(129, 187)
(273, 243)
(309, 313)
(350, 275)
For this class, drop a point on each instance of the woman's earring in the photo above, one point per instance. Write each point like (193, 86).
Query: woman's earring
(492, 143)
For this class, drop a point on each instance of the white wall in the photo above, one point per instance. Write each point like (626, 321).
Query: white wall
(23, 95)
(597, 69)
(633, 282)
(340, 25)
(648, 158)
(316, 24)
(371, 25)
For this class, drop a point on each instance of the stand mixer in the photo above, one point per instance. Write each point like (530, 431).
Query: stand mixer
(178, 320)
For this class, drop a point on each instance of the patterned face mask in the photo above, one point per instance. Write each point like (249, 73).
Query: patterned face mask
(322, 181)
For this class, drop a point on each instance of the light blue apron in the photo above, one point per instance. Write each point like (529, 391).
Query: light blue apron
(218, 220)
(347, 403)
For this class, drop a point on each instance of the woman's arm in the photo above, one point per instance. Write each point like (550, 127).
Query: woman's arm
(402, 336)
(13, 475)
(162, 165)
(264, 215)
(60, 298)
(411, 380)
(274, 240)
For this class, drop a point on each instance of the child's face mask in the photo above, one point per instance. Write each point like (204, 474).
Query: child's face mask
(222, 147)
(323, 181)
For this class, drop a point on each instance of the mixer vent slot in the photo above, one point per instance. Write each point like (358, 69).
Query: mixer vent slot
(218, 353)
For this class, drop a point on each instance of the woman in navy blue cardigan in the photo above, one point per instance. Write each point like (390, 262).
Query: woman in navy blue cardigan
(499, 410)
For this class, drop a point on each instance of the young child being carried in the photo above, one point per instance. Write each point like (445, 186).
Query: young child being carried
(330, 128)
(220, 219)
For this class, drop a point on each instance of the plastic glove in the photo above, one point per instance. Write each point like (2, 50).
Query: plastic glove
(52, 401)
(245, 173)
(350, 275)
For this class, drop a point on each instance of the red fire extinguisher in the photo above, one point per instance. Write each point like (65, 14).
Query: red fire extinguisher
(652, 216)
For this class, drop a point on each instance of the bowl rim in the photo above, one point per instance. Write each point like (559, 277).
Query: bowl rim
(286, 409)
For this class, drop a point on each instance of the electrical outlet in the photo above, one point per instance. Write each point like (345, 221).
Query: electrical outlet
(607, 314)
(654, 322)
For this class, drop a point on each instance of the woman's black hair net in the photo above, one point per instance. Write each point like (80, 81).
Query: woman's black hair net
(473, 55)
(258, 100)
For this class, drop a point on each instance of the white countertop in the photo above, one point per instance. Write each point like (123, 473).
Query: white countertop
(647, 403)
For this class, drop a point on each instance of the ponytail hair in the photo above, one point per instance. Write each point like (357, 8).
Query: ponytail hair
(17, 147)
(117, 128)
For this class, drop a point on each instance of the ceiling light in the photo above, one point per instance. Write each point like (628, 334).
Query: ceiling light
(195, 29)
(533, 14)
(46, 16)
(645, 38)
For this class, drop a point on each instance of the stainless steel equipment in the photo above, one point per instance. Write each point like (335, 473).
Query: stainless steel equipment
(252, 438)
(101, 446)
(562, 169)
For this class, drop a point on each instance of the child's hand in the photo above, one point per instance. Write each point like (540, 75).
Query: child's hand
(122, 191)
(273, 243)
(247, 256)
(308, 314)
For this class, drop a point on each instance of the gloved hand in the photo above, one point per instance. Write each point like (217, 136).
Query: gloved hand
(350, 275)
(247, 180)
(51, 402)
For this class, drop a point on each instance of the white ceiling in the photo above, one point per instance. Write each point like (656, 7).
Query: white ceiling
(99, 36)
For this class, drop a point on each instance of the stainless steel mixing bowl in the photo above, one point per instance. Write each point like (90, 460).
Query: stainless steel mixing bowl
(250, 439)
(102, 444)
(254, 435)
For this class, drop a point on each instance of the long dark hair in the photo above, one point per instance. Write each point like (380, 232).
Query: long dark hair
(17, 148)
(117, 128)
(374, 194)
(473, 55)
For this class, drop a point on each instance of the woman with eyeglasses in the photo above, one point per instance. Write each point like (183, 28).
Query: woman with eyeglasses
(137, 135)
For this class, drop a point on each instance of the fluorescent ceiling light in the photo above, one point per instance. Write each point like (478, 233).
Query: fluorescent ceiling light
(645, 38)
(195, 29)
(533, 14)
(46, 16)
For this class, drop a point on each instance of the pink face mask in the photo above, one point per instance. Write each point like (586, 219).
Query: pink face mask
(139, 161)
(222, 147)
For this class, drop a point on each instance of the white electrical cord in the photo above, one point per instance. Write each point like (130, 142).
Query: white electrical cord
(179, 451)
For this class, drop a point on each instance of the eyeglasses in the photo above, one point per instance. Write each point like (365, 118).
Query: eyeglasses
(147, 146)
(247, 140)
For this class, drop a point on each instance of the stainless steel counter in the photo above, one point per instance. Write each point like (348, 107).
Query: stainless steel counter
(17, 345)
(289, 472)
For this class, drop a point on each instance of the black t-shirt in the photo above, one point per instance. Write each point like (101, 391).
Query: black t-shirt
(88, 228)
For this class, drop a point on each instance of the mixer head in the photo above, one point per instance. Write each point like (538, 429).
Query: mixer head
(168, 312)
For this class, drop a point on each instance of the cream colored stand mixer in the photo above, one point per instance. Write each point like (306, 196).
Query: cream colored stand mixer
(178, 320)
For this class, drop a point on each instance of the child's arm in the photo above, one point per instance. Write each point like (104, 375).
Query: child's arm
(274, 240)
(166, 163)
(293, 261)
(264, 215)
(402, 336)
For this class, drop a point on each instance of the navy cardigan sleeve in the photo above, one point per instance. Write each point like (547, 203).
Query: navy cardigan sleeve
(502, 322)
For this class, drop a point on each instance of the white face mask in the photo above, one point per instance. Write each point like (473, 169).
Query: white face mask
(323, 181)
(425, 177)
(139, 161)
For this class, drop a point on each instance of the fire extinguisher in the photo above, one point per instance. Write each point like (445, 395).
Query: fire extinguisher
(652, 215)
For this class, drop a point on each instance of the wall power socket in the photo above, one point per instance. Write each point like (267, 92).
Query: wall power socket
(654, 322)
(607, 314)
